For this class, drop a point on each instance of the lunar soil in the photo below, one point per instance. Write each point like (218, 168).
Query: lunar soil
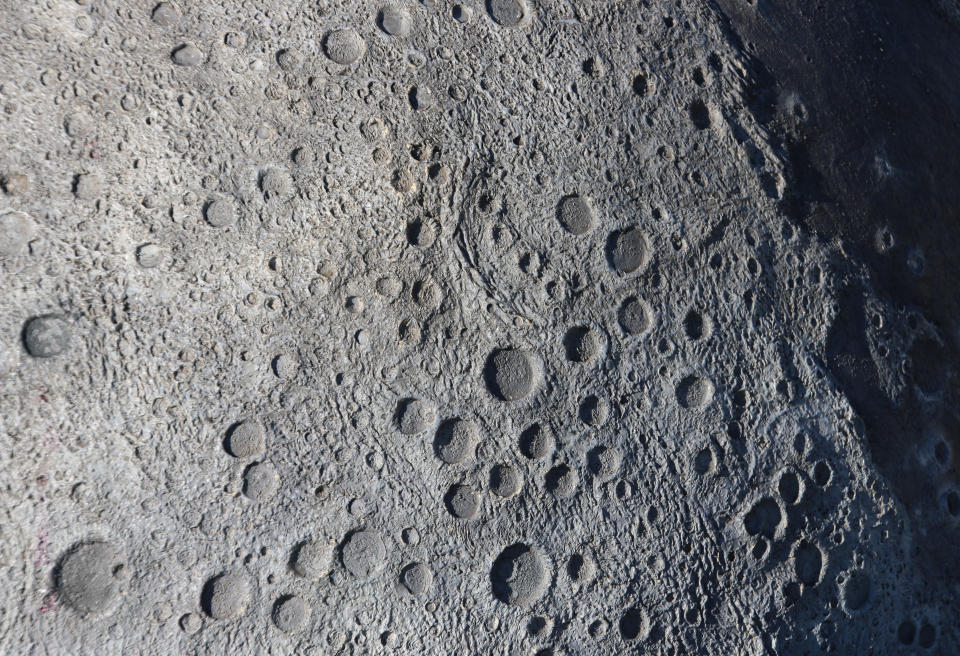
(511, 327)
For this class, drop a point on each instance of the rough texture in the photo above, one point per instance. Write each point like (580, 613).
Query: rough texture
(496, 327)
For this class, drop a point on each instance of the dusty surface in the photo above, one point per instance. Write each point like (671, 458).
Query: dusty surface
(501, 327)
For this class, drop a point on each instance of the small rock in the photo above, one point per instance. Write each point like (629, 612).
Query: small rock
(187, 55)
(16, 231)
(149, 256)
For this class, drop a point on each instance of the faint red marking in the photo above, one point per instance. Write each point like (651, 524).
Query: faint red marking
(49, 602)
(41, 556)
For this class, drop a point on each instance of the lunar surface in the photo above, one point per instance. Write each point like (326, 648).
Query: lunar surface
(511, 327)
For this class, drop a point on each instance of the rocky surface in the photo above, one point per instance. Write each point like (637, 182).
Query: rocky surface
(499, 327)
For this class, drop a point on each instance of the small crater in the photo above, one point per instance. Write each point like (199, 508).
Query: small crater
(855, 591)
(703, 462)
(695, 392)
(926, 636)
(634, 625)
(642, 86)
(561, 481)
(634, 316)
(789, 487)
(462, 501)
(456, 440)
(536, 442)
(952, 500)
(512, 374)
(582, 344)
(907, 632)
(701, 115)
(822, 474)
(697, 326)
(519, 575)
(807, 563)
(763, 518)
